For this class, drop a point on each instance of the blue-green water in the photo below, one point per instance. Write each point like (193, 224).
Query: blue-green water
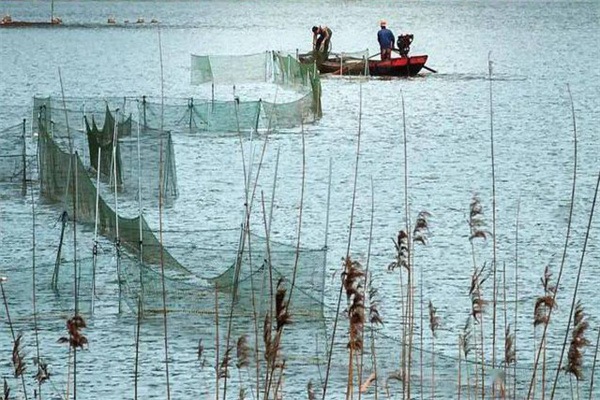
(538, 48)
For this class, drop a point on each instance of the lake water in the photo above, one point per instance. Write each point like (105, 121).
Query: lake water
(538, 49)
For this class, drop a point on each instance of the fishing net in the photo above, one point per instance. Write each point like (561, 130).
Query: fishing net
(230, 69)
(14, 160)
(203, 115)
(137, 157)
(244, 274)
(64, 178)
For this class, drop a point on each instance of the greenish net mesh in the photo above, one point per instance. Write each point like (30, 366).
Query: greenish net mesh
(240, 271)
(14, 160)
(64, 178)
(230, 69)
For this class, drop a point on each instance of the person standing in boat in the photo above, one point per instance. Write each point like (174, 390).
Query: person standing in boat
(321, 42)
(386, 40)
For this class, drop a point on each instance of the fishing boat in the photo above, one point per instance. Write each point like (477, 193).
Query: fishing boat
(351, 64)
(402, 66)
(8, 22)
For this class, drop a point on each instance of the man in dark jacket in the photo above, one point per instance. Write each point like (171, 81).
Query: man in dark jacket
(386, 40)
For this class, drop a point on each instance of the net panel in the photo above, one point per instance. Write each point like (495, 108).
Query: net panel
(63, 178)
(230, 69)
(13, 154)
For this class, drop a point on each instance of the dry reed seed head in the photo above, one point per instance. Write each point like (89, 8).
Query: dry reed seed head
(434, 320)
(310, 391)
(401, 246)
(5, 391)
(364, 387)
(421, 230)
(283, 317)
(242, 352)
(42, 374)
(476, 221)
(374, 317)
(242, 394)
(18, 356)
(477, 302)
(76, 339)
(223, 369)
(200, 349)
(578, 341)
(466, 337)
(509, 350)
(267, 338)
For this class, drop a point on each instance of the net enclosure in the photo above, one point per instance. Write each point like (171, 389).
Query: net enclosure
(242, 266)
(272, 67)
(14, 160)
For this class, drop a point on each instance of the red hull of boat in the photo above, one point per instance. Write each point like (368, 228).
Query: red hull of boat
(397, 66)
(394, 67)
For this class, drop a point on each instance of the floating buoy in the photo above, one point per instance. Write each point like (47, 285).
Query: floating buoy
(140, 20)
(111, 20)
(154, 21)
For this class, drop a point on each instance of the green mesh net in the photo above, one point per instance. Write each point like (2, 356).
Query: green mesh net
(240, 270)
(14, 161)
(230, 69)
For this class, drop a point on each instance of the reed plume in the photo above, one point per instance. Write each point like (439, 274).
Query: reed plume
(578, 342)
(465, 346)
(5, 391)
(353, 281)
(401, 245)
(509, 351)
(243, 352)
(75, 339)
(477, 221)
(18, 358)
(421, 235)
(42, 374)
(242, 394)
(374, 319)
(310, 391)
(434, 324)
(281, 306)
(477, 308)
(223, 369)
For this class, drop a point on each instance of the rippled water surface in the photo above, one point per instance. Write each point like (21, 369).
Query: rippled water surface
(538, 49)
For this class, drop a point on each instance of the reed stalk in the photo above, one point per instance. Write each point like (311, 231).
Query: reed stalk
(434, 323)
(410, 301)
(367, 282)
(516, 300)
(495, 264)
(573, 302)
(339, 301)
(217, 341)
(41, 373)
(160, 212)
(137, 349)
(567, 237)
(594, 365)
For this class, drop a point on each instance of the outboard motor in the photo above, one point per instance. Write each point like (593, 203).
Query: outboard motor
(404, 42)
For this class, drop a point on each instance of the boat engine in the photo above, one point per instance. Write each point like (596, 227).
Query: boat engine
(404, 42)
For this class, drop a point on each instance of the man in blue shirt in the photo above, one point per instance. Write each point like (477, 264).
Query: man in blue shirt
(386, 40)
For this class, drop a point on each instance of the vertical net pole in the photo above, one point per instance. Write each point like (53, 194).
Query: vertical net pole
(140, 214)
(95, 247)
(24, 159)
(117, 238)
(325, 244)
